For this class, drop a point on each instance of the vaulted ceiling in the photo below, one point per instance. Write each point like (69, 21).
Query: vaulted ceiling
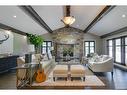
(16, 17)
(113, 21)
(22, 21)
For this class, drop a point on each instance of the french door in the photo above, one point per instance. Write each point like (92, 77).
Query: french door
(118, 50)
(110, 48)
(126, 50)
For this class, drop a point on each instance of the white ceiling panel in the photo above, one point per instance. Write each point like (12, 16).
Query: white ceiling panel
(52, 15)
(22, 21)
(84, 15)
(111, 22)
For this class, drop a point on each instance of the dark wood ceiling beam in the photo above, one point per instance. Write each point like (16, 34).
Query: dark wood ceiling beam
(68, 10)
(104, 12)
(33, 14)
(124, 29)
(5, 27)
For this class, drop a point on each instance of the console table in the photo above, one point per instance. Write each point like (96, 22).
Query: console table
(26, 78)
(7, 63)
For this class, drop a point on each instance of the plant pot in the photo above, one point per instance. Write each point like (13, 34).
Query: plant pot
(28, 58)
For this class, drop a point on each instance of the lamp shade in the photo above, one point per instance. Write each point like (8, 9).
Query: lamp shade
(31, 48)
(68, 20)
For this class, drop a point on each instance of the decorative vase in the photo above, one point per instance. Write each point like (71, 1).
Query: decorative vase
(28, 58)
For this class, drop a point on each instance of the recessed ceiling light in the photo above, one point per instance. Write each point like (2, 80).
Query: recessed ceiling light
(123, 15)
(14, 16)
(24, 37)
(77, 25)
(8, 32)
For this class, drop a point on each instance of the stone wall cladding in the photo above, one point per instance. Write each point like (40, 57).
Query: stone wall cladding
(69, 35)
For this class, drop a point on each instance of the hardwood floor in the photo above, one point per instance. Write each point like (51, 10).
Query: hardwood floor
(8, 80)
(118, 81)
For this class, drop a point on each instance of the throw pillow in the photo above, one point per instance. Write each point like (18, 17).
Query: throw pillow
(22, 58)
(33, 58)
(50, 55)
(45, 57)
(105, 58)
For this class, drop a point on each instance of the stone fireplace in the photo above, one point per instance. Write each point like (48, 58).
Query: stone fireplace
(68, 41)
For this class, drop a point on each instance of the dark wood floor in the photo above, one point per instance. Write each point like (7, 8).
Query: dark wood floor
(118, 81)
(8, 80)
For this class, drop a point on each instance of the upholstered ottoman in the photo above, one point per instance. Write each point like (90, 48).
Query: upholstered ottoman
(77, 71)
(60, 71)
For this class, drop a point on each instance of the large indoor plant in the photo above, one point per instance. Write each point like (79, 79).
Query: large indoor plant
(36, 40)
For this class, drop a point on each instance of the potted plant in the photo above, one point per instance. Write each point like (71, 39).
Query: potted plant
(70, 52)
(36, 41)
(65, 51)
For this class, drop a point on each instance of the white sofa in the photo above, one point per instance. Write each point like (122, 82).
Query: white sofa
(105, 65)
(46, 64)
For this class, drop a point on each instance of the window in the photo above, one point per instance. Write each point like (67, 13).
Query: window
(46, 46)
(125, 50)
(110, 48)
(89, 47)
(118, 50)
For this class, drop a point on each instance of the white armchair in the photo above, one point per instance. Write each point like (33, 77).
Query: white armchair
(103, 66)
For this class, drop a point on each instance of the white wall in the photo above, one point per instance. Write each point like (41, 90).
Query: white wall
(104, 48)
(20, 44)
(16, 44)
(6, 46)
(47, 37)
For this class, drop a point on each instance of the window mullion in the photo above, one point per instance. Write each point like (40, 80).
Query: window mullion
(89, 47)
(114, 49)
(123, 50)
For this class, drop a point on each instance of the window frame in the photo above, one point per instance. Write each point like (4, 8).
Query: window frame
(110, 46)
(123, 55)
(88, 47)
(115, 49)
(46, 46)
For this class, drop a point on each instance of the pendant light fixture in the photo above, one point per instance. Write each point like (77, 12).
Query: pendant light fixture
(68, 20)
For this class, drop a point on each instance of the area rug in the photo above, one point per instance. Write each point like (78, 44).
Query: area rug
(91, 80)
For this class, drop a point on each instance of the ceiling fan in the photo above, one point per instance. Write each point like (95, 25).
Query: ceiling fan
(68, 20)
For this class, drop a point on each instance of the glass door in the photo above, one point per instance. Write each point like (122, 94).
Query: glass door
(118, 50)
(110, 48)
(125, 50)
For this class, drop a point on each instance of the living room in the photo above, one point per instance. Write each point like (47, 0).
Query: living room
(70, 47)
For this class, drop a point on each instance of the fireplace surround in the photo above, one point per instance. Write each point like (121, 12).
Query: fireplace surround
(68, 40)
